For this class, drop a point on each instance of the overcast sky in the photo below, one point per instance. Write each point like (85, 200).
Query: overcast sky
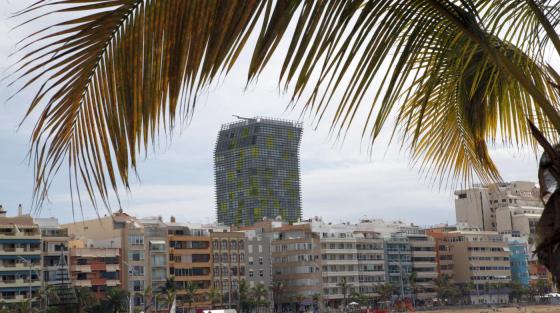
(340, 181)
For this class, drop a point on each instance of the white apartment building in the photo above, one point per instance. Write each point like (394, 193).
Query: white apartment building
(502, 207)
(339, 259)
(54, 249)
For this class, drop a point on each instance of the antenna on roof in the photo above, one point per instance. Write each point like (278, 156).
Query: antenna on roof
(241, 117)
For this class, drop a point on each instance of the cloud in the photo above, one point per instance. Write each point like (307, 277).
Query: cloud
(340, 180)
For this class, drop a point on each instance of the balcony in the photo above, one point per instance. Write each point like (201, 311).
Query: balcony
(113, 283)
(98, 266)
(81, 268)
(19, 251)
(13, 299)
(99, 281)
(82, 283)
(339, 262)
(9, 266)
(20, 282)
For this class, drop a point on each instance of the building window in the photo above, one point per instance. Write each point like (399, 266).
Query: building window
(216, 244)
(240, 244)
(225, 258)
(137, 285)
(158, 260)
(224, 244)
(157, 246)
(136, 255)
(234, 258)
(234, 244)
(159, 274)
(260, 248)
(138, 270)
(251, 273)
(250, 260)
(260, 261)
(261, 273)
(135, 239)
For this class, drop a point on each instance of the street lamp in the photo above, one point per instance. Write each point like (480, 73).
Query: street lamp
(475, 283)
(30, 264)
(130, 306)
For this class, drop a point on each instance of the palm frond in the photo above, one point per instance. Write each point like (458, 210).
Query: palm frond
(120, 71)
(117, 75)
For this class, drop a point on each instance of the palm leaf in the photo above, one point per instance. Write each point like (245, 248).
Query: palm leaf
(116, 73)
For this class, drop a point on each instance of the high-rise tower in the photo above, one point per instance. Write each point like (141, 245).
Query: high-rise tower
(256, 168)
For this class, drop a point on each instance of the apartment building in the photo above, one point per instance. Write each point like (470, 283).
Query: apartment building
(228, 249)
(190, 261)
(398, 263)
(54, 248)
(143, 244)
(480, 257)
(256, 169)
(371, 261)
(94, 268)
(500, 207)
(20, 258)
(424, 265)
(296, 264)
(339, 261)
(147, 254)
(258, 260)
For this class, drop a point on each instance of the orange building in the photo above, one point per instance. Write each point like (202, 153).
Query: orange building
(95, 268)
(190, 262)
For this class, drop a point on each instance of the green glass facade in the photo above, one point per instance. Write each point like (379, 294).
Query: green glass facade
(256, 169)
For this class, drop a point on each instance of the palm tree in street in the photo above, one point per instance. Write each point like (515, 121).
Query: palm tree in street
(344, 290)
(86, 299)
(169, 292)
(277, 293)
(148, 297)
(259, 295)
(24, 307)
(111, 75)
(214, 296)
(191, 290)
(386, 292)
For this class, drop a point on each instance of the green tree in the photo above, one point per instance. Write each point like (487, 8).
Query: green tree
(148, 296)
(86, 299)
(299, 301)
(277, 293)
(47, 294)
(412, 282)
(516, 291)
(244, 302)
(456, 74)
(344, 290)
(259, 295)
(116, 300)
(24, 307)
(543, 287)
(214, 295)
(169, 292)
(468, 289)
(317, 300)
(445, 290)
(191, 290)
(386, 291)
